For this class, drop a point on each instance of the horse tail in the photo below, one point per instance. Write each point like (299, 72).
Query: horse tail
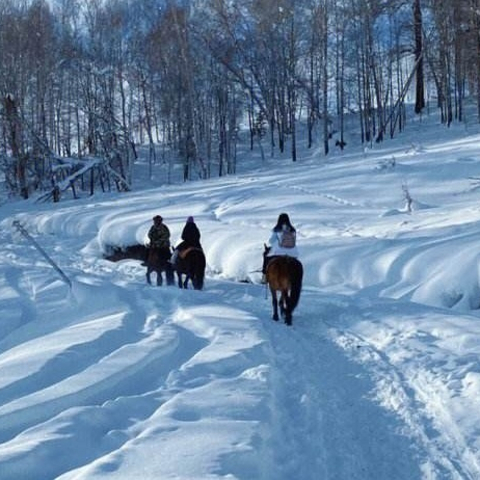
(202, 270)
(296, 284)
(200, 266)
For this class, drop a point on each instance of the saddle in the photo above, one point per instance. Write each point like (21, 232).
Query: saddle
(183, 253)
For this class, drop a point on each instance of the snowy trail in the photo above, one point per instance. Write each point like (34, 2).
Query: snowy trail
(122, 367)
(378, 378)
(333, 426)
(418, 396)
(325, 412)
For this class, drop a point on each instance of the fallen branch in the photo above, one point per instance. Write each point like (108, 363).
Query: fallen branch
(24, 232)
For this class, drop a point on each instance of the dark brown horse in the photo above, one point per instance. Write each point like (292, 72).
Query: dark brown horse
(284, 274)
(191, 263)
(158, 262)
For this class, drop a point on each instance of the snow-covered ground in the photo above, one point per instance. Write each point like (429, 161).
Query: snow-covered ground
(378, 378)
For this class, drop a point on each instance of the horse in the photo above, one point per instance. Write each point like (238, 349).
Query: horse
(191, 263)
(284, 274)
(158, 262)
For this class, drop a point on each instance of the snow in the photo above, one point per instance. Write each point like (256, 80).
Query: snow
(377, 378)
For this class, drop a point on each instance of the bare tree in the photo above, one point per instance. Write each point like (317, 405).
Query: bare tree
(14, 136)
(82, 81)
(418, 33)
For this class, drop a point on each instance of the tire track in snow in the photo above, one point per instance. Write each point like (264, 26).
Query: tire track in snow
(443, 452)
(324, 410)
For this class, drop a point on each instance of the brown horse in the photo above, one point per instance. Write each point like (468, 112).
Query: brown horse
(284, 274)
(158, 262)
(191, 263)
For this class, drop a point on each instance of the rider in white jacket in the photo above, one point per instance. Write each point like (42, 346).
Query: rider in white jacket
(282, 241)
(275, 242)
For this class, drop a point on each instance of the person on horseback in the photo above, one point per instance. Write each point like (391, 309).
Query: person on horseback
(159, 236)
(282, 241)
(190, 238)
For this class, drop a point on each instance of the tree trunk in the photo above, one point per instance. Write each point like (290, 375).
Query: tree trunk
(14, 133)
(419, 88)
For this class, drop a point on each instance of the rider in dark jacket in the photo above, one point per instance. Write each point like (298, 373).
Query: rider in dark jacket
(190, 238)
(159, 234)
(190, 235)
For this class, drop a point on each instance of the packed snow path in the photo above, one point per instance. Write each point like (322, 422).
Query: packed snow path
(121, 379)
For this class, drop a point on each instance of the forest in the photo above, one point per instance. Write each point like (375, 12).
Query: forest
(86, 84)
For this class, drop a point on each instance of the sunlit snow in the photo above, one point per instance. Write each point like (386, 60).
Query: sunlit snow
(378, 378)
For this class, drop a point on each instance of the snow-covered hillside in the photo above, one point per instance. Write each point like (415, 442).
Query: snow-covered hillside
(378, 378)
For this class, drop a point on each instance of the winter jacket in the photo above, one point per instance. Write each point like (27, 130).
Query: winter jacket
(159, 236)
(276, 249)
(190, 236)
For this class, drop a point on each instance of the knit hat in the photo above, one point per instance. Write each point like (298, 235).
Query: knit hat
(190, 220)
(157, 218)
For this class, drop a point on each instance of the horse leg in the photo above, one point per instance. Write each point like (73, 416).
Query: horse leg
(283, 304)
(288, 316)
(274, 305)
(149, 271)
(159, 278)
(288, 310)
(169, 274)
(182, 283)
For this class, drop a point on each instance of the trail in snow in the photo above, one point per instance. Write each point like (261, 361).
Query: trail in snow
(126, 363)
(331, 425)
(411, 394)
(120, 379)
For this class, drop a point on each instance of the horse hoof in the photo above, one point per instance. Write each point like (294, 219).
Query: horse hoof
(275, 318)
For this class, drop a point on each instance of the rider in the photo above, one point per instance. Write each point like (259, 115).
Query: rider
(190, 238)
(282, 241)
(159, 236)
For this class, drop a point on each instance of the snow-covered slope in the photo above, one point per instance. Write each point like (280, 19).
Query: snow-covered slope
(378, 378)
